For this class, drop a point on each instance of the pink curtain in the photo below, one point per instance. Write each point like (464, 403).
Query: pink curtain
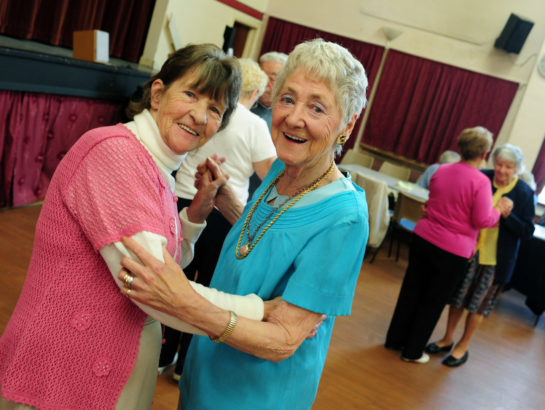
(54, 21)
(421, 106)
(284, 36)
(38, 131)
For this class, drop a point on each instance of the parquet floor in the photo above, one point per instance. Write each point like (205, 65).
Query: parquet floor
(505, 370)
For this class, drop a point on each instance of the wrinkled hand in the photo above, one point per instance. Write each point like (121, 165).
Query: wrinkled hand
(163, 286)
(504, 206)
(208, 180)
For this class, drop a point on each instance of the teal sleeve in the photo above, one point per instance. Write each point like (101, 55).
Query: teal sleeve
(327, 269)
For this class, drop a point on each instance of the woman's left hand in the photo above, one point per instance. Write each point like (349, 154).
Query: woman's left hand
(163, 286)
(209, 183)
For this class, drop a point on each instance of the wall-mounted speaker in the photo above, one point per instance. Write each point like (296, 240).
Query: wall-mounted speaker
(228, 39)
(514, 34)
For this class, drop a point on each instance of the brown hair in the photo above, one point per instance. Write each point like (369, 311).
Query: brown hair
(474, 142)
(219, 77)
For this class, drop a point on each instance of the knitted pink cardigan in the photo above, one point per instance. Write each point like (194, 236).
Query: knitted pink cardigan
(73, 338)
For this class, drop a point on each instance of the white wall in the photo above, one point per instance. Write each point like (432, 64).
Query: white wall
(455, 32)
(197, 21)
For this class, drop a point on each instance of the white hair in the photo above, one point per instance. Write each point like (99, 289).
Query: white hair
(253, 77)
(448, 157)
(334, 65)
(510, 153)
(274, 56)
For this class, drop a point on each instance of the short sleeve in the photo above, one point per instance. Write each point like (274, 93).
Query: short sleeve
(261, 145)
(115, 192)
(327, 269)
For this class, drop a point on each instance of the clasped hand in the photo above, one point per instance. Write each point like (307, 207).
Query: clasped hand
(504, 206)
(209, 180)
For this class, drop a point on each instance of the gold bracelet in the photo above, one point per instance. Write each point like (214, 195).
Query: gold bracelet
(228, 330)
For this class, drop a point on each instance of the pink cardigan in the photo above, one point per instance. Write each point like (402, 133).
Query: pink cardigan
(73, 338)
(460, 205)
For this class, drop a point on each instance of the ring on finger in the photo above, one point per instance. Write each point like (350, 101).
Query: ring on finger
(127, 292)
(128, 280)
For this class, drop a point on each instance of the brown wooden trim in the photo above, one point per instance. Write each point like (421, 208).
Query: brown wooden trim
(243, 8)
(390, 156)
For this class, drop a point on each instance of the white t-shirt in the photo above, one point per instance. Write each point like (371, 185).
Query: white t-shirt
(244, 141)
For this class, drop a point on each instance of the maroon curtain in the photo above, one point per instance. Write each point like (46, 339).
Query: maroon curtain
(421, 106)
(37, 131)
(53, 22)
(539, 169)
(284, 36)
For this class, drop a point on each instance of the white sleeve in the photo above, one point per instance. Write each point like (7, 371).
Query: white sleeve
(190, 233)
(261, 144)
(249, 306)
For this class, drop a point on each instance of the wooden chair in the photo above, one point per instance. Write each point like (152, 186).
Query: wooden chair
(397, 171)
(354, 156)
(376, 194)
(407, 212)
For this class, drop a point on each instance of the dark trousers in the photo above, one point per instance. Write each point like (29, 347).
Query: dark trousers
(201, 269)
(430, 281)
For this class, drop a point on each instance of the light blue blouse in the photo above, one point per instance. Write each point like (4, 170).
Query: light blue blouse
(311, 256)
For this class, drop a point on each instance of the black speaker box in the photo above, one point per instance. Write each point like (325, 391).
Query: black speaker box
(514, 34)
(228, 38)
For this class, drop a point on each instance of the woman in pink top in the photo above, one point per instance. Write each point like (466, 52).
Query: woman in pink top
(460, 204)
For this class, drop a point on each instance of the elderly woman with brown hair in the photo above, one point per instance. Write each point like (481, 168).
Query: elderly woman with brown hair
(73, 341)
(460, 204)
(301, 237)
(495, 256)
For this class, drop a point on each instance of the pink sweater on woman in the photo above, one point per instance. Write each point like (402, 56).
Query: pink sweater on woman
(73, 338)
(460, 205)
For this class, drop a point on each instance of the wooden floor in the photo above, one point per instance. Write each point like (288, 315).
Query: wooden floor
(505, 370)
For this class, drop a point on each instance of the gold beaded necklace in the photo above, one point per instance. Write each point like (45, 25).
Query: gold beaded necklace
(244, 250)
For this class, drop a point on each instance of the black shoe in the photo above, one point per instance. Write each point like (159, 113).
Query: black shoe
(451, 361)
(432, 348)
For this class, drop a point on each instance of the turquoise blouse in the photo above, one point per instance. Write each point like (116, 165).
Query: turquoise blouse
(311, 256)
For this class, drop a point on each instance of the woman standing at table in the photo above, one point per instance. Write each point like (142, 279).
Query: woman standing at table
(460, 204)
(495, 256)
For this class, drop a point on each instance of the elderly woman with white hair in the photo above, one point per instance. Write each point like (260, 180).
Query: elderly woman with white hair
(301, 238)
(496, 253)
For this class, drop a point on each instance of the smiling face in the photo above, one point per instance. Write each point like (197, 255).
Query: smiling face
(186, 118)
(306, 122)
(504, 171)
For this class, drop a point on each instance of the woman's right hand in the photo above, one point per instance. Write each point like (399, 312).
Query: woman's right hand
(208, 180)
(504, 206)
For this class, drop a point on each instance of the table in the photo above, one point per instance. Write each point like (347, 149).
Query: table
(529, 274)
(394, 184)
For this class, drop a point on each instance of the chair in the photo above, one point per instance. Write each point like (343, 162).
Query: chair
(376, 193)
(397, 171)
(353, 156)
(407, 212)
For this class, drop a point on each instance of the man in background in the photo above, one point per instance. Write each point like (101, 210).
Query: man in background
(271, 62)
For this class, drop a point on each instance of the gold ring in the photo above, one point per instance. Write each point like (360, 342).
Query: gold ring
(128, 280)
(127, 293)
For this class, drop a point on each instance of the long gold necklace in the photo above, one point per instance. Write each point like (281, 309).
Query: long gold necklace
(244, 250)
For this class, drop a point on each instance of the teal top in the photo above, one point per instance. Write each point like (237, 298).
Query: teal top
(311, 256)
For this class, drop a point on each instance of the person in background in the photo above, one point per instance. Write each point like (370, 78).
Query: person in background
(495, 256)
(447, 157)
(271, 63)
(301, 237)
(247, 146)
(73, 341)
(528, 177)
(460, 203)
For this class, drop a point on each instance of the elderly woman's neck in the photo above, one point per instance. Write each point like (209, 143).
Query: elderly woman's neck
(296, 178)
(474, 162)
